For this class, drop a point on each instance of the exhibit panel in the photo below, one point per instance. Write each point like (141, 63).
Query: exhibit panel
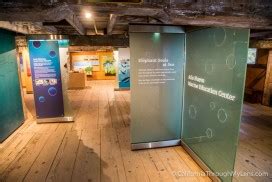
(124, 68)
(214, 84)
(157, 61)
(46, 78)
(11, 112)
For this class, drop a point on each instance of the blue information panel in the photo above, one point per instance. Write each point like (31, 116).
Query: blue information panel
(124, 68)
(124, 75)
(46, 77)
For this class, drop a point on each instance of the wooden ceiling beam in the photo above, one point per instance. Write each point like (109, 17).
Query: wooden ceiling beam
(167, 15)
(111, 23)
(13, 27)
(74, 22)
(99, 40)
(55, 14)
(225, 21)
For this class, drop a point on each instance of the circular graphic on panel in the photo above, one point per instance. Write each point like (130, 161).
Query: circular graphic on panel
(36, 44)
(239, 75)
(209, 133)
(209, 67)
(41, 99)
(222, 115)
(212, 105)
(192, 111)
(52, 54)
(52, 91)
(219, 36)
(231, 61)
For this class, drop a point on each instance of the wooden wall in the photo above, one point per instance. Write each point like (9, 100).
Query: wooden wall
(267, 96)
(256, 77)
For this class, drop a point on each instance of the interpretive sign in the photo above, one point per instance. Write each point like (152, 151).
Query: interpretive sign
(216, 60)
(46, 78)
(157, 61)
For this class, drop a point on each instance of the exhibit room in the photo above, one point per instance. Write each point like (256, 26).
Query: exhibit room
(135, 90)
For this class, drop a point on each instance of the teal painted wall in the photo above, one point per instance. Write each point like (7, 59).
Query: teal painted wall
(11, 110)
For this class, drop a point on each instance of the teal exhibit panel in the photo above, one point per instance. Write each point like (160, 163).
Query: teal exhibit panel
(157, 60)
(11, 109)
(213, 97)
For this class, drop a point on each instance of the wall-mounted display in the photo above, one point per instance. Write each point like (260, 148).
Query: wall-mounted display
(108, 65)
(252, 56)
(109, 68)
(21, 61)
(87, 63)
(99, 65)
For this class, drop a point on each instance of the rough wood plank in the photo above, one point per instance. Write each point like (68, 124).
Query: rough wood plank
(88, 162)
(42, 164)
(20, 166)
(62, 168)
(111, 157)
(90, 151)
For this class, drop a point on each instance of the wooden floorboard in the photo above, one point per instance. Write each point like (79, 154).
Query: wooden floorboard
(97, 146)
(254, 152)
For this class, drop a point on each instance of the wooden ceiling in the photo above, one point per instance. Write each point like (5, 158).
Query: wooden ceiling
(68, 16)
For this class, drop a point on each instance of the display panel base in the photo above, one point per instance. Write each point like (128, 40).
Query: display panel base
(56, 120)
(150, 145)
(121, 89)
(201, 164)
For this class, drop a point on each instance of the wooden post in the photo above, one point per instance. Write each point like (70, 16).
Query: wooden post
(268, 81)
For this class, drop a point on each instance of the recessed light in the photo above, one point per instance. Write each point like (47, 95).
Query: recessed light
(88, 15)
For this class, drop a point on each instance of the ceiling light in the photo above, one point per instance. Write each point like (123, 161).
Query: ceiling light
(88, 15)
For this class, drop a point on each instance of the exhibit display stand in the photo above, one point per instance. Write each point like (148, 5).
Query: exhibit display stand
(216, 60)
(157, 63)
(201, 109)
(49, 78)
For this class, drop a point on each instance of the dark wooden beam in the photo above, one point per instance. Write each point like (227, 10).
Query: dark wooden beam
(55, 14)
(262, 44)
(111, 23)
(74, 22)
(259, 66)
(192, 13)
(99, 40)
(15, 28)
(225, 21)
(262, 34)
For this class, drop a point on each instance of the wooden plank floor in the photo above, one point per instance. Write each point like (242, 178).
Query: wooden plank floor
(254, 152)
(94, 148)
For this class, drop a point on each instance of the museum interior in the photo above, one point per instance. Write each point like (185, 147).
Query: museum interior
(135, 90)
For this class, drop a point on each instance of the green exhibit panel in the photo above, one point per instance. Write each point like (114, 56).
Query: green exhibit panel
(213, 97)
(157, 62)
(11, 110)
